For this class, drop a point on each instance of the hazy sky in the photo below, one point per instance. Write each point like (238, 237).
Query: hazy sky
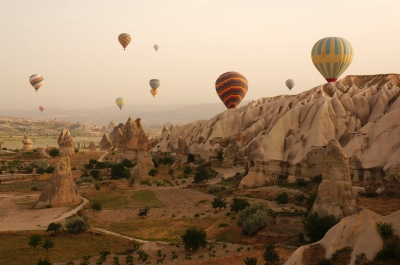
(74, 45)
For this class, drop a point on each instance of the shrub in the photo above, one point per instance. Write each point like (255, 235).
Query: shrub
(271, 257)
(194, 239)
(34, 241)
(201, 175)
(155, 162)
(127, 163)
(300, 197)
(315, 227)
(239, 204)
(250, 261)
(54, 152)
(96, 206)
(95, 174)
(301, 182)
(153, 172)
(390, 251)
(385, 229)
(187, 170)
(254, 218)
(56, 227)
(78, 224)
(97, 186)
(317, 179)
(214, 188)
(119, 171)
(218, 203)
(144, 211)
(48, 244)
(143, 256)
(49, 169)
(282, 198)
(45, 261)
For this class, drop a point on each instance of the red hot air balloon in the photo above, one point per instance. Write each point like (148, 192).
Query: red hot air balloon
(41, 108)
(231, 88)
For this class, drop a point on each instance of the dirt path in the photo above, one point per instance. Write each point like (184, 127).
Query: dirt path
(101, 157)
(121, 236)
(16, 213)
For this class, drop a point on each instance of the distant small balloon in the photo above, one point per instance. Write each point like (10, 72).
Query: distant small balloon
(156, 47)
(290, 84)
(124, 39)
(120, 102)
(36, 81)
(153, 92)
(41, 108)
(154, 83)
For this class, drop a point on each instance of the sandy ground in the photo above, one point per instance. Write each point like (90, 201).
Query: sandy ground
(17, 213)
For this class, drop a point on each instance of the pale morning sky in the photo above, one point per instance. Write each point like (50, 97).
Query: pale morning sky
(74, 45)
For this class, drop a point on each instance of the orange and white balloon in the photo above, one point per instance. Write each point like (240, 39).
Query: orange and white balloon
(124, 39)
(36, 81)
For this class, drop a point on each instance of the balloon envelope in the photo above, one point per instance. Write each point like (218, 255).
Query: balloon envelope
(124, 39)
(120, 102)
(154, 83)
(231, 88)
(332, 56)
(153, 92)
(290, 83)
(41, 108)
(36, 81)
(156, 47)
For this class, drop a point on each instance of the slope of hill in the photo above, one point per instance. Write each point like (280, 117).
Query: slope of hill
(274, 136)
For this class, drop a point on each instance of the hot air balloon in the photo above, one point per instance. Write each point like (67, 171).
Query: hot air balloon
(154, 83)
(153, 92)
(124, 39)
(231, 88)
(290, 84)
(156, 47)
(120, 102)
(36, 81)
(332, 56)
(41, 108)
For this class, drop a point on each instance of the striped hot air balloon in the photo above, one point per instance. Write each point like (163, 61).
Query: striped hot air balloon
(36, 81)
(153, 92)
(41, 108)
(124, 39)
(231, 88)
(332, 56)
(120, 102)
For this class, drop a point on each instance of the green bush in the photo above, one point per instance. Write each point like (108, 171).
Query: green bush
(194, 239)
(155, 162)
(254, 218)
(78, 224)
(301, 182)
(218, 203)
(54, 152)
(153, 172)
(96, 206)
(282, 198)
(250, 261)
(315, 227)
(56, 227)
(300, 197)
(201, 175)
(50, 169)
(239, 204)
(213, 188)
(144, 211)
(271, 257)
(119, 171)
(385, 229)
(317, 179)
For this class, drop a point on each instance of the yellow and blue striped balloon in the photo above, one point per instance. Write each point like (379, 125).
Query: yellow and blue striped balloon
(332, 56)
(120, 102)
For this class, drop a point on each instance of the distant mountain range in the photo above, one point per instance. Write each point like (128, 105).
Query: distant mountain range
(151, 115)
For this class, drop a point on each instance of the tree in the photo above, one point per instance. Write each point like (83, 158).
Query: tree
(54, 152)
(144, 211)
(300, 197)
(49, 169)
(35, 240)
(56, 227)
(315, 227)
(119, 171)
(250, 261)
(201, 175)
(218, 203)
(45, 261)
(78, 224)
(153, 172)
(271, 257)
(96, 206)
(282, 198)
(254, 218)
(239, 204)
(194, 239)
(187, 170)
(48, 244)
(95, 174)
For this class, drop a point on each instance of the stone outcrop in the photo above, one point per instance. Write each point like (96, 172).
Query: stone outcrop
(119, 126)
(105, 143)
(357, 232)
(28, 144)
(61, 187)
(111, 126)
(92, 146)
(134, 137)
(66, 143)
(144, 165)
(358, 111)
(118, 139)
(335, 195)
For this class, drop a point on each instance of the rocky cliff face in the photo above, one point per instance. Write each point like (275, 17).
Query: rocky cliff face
(66, 143)
(335, 196)
(105, 143)
(358, 111)
(61, 187)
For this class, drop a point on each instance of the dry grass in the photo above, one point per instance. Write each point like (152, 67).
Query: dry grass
(382, 205)
(14, 248)
(313, 254)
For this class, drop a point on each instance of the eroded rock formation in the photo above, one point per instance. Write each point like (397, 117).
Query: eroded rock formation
(105, 143)
(118, 139)
(92, 146)
(335, 195)
(28, 144)
(66, 143)
(61, 188)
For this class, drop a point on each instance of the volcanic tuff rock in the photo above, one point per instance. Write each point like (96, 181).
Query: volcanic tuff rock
(358, 111)
(27, 147)
(60, 188)
(357, 231)
(105, 143)
(66, 143)
(134, 137)
(120, 126)
(335, 195)
(118, 138)
(92, 146)
(111, 126)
